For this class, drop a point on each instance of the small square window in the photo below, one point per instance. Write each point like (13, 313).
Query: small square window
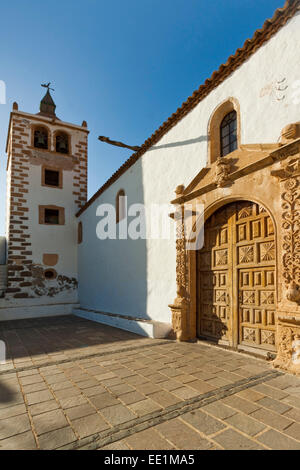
(52, 178)
(51, 216)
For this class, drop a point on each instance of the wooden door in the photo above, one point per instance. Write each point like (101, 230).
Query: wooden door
(236, 277)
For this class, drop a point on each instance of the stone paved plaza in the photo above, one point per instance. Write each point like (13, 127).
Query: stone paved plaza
(73, 384)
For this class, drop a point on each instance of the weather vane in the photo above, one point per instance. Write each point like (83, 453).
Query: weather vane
(47, 85)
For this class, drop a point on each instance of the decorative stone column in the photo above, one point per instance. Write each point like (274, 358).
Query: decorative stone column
(180, 308)
(288, 320)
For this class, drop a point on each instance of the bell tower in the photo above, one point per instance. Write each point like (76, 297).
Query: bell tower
(46, 186)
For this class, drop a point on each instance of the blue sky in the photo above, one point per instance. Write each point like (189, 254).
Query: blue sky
(124, 66)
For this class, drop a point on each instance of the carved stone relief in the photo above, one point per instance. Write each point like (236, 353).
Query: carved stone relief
(289, 176)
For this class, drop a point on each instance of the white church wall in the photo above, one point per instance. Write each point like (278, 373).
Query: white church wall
(138, 278)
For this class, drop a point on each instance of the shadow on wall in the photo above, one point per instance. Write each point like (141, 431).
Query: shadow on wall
(113, 273)
(202, 138)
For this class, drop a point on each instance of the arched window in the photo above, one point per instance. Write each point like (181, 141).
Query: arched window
(62, 143)
(228, 130)
(224, 129)
(120, 206)
(40, 139)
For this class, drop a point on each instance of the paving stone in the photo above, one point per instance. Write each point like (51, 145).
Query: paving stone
(284, 381)
(246, 424)
(169, 385)
(148, 388)
(202, 387)
(274, 405)
(105, 376)
(230, 376)
(155, 378)
(13, 426)
(120, 445)
(203, 422)
(250, 394)
(185, 393)
(132, 397)
(293, 391)
(111, 382)
(117, 414)
(103, 400)
(55, 439)
(292, 400)
(61, 385)
(43, 407)
(183, 436)
(185, 378)
(241, 404)
(12, 411)
(12, 399)
(294, 414)
(277, 441)
(24, 441)
(67, 393)
(293, 431)
(148, 440)
(218, 382)
(87, 383)
(219, 410)
(272, 419)
(233, 440)
(165, 399)
(89, 425)
(122, 389)
(31, 379)
(66, 403)
(35, 387)
(80, 411)
(191, 370)
(203, 375)
(49, 421)
(38, 397)
(270, 391)
(24, 373)
(93, 391)
(53, 379)
(170, 372)
(144, 407)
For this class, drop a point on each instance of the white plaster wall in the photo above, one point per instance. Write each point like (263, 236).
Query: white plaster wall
(60, 239)
(116, 277)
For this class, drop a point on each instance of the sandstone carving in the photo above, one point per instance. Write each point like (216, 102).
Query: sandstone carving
(223, 170)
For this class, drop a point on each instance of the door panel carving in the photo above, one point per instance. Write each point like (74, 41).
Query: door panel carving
(236, 277)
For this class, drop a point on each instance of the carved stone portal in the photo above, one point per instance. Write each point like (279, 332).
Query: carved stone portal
(250, 179)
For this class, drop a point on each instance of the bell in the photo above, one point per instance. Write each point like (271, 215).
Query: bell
(41, 139)
(63, 144)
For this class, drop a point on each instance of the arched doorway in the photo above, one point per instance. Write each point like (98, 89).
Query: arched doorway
(236, 278)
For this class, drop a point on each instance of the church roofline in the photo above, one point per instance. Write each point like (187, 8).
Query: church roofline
(261, 36)
(47, 120)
